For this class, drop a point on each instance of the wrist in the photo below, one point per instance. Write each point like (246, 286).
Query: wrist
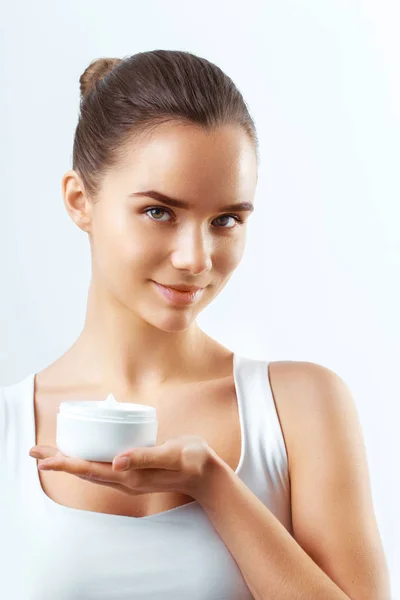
(213, 481)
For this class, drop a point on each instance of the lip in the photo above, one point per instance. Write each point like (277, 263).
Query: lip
(182, 287)
(178, 297)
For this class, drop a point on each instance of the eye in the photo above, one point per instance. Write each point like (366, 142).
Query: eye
(164, 210)
(237, 219)
(156, 208)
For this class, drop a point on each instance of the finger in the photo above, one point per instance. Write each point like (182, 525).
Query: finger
(44, 452)
(176, 454)
(118, 486)
(144, 481)
(87, 475)
(81, 468)
(147, 482)
(166, 456)
(130, 482)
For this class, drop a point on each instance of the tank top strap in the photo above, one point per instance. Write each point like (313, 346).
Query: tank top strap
(265, 462)
(19, 436)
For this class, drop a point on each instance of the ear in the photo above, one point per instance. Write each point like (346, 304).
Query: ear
(76, 202)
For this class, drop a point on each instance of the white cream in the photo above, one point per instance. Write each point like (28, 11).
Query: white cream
(99, 430)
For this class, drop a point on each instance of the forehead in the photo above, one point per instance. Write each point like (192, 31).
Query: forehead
(190, 162)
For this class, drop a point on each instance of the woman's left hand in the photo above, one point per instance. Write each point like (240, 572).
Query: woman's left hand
(181, 464)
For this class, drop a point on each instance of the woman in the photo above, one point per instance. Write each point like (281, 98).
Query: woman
(258, 485)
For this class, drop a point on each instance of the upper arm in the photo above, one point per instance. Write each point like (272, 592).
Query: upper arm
(332, 508)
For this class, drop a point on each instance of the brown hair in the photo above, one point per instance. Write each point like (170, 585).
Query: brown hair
(123, 99)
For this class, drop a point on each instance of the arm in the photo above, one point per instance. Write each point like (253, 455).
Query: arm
(336, 553)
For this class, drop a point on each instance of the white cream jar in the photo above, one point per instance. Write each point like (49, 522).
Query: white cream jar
(99, 430)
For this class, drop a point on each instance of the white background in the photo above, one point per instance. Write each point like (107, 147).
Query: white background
(320, 277)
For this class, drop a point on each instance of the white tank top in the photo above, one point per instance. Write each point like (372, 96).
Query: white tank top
(49, 551)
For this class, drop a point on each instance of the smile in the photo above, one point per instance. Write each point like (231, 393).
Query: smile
(178, 297)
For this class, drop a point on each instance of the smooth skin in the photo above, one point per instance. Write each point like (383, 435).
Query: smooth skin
(180, 464)
(132, 339)
(134, 342)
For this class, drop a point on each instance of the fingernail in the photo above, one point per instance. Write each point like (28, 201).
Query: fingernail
(35, 454)
(122, 463)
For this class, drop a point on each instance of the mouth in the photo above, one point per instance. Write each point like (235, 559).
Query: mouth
(179, 296)
(182, 287)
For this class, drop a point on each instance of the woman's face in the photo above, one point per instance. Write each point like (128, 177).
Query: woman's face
(137, 240)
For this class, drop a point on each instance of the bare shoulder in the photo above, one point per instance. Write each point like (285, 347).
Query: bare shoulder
(314, 404)
(303, 392)
(332, 507)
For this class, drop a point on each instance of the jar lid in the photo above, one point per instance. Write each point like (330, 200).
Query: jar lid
(109, 410)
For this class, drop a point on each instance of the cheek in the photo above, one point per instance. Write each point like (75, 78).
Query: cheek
(227, 259)
(119, 243)
(116, 255)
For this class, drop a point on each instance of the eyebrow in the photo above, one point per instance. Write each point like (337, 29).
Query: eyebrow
(241, 206)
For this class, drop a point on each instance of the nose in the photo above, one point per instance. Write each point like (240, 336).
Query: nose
(192, 252)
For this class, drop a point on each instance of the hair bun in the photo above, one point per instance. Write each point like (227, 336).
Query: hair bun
(94, 72)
